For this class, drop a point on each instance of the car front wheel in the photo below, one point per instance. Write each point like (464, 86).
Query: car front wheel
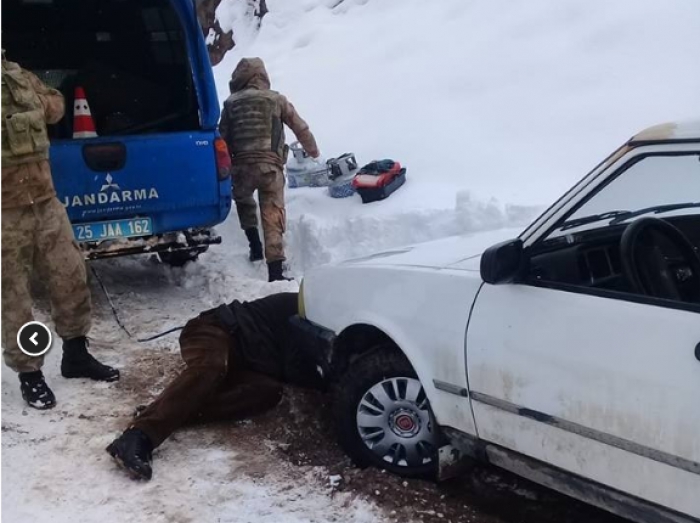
(383, 416)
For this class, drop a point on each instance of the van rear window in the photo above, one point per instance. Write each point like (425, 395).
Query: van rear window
(130, 57)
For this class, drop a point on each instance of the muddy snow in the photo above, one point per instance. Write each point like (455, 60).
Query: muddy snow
(54, 464)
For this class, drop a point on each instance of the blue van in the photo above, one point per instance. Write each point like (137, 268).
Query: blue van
(155, 179)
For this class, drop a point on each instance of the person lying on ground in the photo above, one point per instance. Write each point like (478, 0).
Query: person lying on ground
(237, 356)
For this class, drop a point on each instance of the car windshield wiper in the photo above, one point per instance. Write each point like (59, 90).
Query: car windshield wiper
(617, 217)
(657, 209)
(577, 222)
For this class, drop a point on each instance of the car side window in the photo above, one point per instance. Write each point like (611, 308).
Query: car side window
(656, 198)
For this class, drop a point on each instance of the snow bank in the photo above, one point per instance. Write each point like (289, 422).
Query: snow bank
(317, 237)
(507, 100)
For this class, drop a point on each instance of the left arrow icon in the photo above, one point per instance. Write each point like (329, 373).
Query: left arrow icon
(34, 339)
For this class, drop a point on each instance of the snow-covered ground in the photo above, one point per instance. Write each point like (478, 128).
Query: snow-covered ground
(55, 468)
(494, 106)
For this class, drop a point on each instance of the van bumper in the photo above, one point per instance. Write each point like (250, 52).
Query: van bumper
(194, 240)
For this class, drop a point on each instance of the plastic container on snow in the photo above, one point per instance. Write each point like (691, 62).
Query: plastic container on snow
(342, 187)
(298, 152)
(342, 166)
(308, 174)
(342, 171)
(302, 171)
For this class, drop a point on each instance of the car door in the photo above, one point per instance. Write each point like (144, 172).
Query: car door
(574, 367)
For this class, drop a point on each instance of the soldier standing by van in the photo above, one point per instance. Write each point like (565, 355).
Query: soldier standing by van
(37, 236)
(252, 123)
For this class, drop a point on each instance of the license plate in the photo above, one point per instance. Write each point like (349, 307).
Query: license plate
(94, 232)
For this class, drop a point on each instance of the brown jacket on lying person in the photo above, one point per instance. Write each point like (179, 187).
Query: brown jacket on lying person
(238, 356)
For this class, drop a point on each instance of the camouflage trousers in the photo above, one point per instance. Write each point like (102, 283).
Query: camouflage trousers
(268, 180)
(37, 240)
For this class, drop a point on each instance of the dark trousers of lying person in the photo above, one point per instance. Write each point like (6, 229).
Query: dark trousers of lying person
(237, 356)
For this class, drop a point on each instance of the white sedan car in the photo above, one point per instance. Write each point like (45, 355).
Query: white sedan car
(569, 355)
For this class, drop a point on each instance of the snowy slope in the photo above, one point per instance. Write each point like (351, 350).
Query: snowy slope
(507, 100)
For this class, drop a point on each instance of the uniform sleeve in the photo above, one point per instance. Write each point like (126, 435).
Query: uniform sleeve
(51, 99)
(224, 124)
(299, 127)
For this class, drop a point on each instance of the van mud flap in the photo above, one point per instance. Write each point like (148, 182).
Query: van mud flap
(196, 241)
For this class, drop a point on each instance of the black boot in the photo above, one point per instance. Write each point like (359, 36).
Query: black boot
(275, 272)
(77, 362)
(133, 451)
(256, 249)
(35, 391)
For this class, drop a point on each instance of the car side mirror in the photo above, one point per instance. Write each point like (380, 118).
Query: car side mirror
(502, 263)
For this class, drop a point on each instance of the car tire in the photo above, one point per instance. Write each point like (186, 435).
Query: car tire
(378, 423)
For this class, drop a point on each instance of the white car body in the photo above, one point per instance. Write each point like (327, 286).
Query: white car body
(603, 389)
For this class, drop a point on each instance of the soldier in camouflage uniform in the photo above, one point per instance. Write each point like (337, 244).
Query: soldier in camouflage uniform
(252, 123)
(37, 237)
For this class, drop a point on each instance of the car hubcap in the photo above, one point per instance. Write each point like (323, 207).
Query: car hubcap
(394, 421)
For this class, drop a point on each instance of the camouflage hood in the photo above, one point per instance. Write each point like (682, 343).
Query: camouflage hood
(249, 73)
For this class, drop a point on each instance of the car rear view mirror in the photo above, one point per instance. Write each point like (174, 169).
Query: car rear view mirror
(501, 263)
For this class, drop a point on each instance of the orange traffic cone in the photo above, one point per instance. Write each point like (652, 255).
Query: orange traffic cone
(83, 125)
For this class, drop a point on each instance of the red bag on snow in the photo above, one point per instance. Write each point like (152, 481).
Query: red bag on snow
(377, 180)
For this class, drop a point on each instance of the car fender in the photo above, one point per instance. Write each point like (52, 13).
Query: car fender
(402, 340)
(406, 304)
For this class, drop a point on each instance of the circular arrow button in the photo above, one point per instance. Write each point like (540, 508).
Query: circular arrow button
(34, 338)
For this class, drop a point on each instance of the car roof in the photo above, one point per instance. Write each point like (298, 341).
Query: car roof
(685, 131)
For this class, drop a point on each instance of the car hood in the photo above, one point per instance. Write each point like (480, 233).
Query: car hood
(456, 252)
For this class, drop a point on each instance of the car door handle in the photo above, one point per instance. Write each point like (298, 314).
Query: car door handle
(697, 352)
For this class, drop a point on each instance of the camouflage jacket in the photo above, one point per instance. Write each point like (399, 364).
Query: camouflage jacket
(26, 181)
(253, 118)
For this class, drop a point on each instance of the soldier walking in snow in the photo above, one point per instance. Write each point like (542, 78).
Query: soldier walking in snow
(252, 123)
(237, 357)
(37, 236)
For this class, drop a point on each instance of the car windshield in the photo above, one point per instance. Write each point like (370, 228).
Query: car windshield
(653, 185)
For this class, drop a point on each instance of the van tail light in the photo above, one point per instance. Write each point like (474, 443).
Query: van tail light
(223, 159)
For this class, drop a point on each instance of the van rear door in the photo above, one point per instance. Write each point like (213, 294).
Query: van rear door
(144, 67)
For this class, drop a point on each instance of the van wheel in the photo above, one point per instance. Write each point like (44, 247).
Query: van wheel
(180, 258)
(383, 417)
